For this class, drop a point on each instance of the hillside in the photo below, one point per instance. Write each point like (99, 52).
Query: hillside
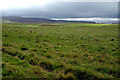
(35, 20)
(61, 51)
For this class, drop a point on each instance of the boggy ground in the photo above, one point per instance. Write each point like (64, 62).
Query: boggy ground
(69, 50)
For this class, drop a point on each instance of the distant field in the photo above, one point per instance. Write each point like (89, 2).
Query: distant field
(69, 50)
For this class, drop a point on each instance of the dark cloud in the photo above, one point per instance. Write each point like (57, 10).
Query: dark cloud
(67, 9)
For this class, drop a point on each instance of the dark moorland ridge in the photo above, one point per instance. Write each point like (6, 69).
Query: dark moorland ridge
(37, 20)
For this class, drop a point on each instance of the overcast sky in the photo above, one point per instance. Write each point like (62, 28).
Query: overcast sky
(61, 9)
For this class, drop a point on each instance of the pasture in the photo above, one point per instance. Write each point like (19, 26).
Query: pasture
(60, 50)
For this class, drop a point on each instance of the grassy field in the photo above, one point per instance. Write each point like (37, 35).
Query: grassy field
(69, 50)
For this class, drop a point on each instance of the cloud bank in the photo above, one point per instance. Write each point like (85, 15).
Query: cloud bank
(97, 20)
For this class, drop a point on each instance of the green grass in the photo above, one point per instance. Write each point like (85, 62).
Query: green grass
(69, 50)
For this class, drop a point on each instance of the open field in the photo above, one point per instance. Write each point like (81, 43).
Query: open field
(69, 50)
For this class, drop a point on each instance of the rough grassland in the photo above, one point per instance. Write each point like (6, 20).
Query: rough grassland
(69, 50)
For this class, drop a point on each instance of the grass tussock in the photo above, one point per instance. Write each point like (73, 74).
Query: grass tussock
(64, 51)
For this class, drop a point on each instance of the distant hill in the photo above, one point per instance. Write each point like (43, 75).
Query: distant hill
(26, 20)
(35, 20)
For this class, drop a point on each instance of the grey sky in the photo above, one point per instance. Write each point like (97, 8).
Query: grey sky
(66, 10)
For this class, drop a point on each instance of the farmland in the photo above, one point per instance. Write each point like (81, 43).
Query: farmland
(60, 50)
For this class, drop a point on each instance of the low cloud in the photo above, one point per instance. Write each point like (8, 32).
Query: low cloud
(97, 20)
